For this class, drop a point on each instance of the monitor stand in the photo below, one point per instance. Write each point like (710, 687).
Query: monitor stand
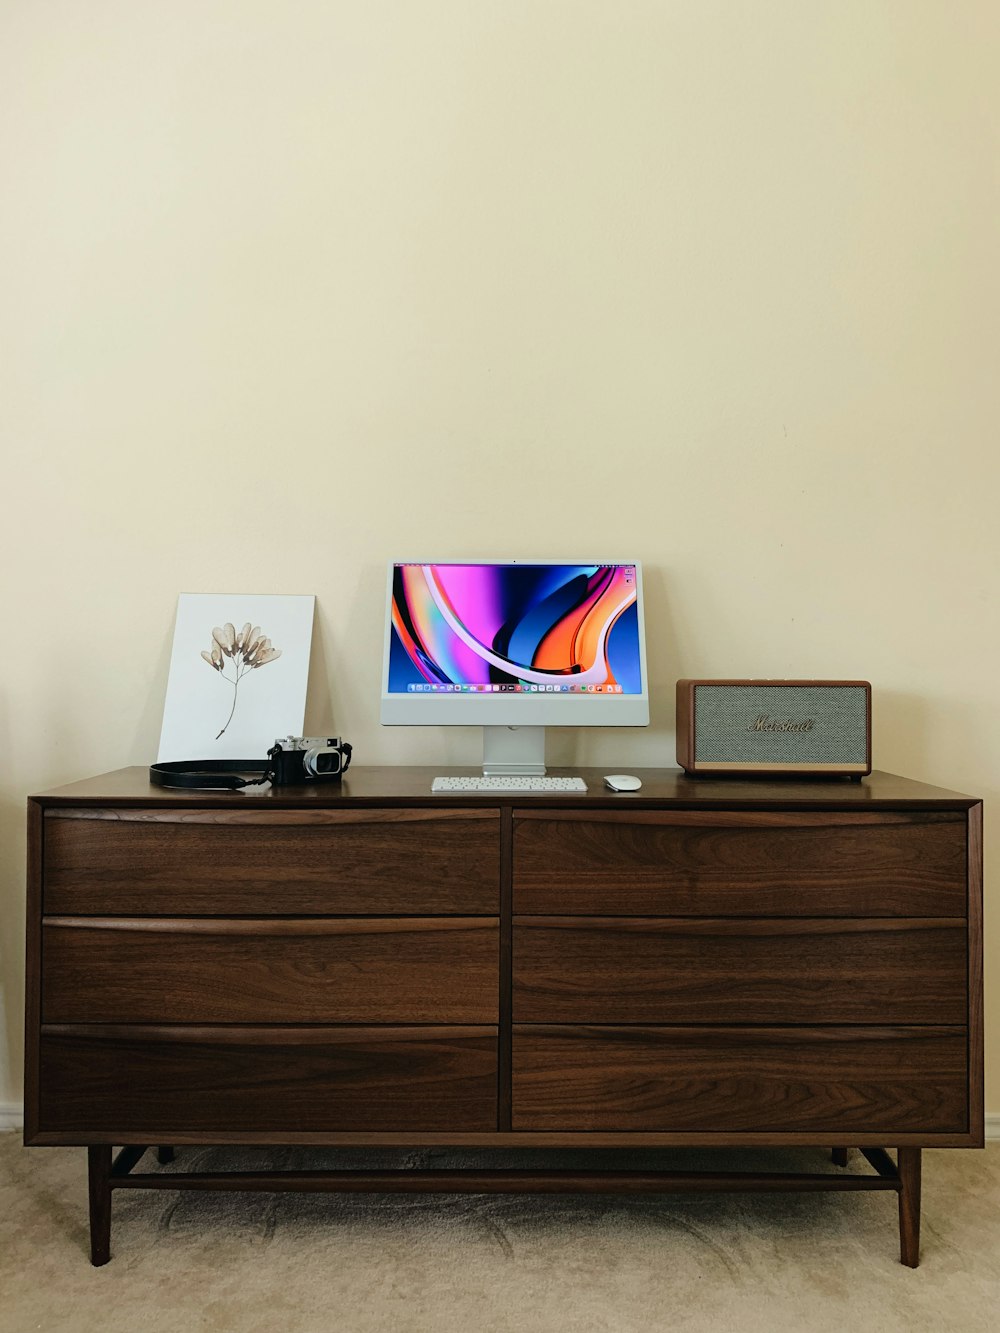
(513, 752)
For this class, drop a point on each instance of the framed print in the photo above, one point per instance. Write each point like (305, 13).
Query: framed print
(238, 673)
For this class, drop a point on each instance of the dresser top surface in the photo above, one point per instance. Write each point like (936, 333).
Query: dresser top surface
(409, 786)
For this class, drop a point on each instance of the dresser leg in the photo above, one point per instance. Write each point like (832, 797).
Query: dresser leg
(99, 1181)
(165, 1155)
(909, 1206)
(839, 1156)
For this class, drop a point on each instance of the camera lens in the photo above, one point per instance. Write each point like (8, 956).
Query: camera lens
(320, 763)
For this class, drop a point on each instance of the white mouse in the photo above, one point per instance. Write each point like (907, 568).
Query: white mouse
(622, 782)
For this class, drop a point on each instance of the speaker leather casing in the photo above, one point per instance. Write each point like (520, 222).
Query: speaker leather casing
(774, 728)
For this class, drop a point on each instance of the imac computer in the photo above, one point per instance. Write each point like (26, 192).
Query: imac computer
(514, 647)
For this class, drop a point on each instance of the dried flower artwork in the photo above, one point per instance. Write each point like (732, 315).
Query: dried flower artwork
(248, 650)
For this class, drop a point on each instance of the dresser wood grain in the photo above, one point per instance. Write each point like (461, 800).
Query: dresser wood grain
(740, 863)
(157, 1083)
(825, 1080)
(276, 970)
(740, 970)
(700, 963)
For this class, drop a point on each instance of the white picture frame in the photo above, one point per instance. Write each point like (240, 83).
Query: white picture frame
(239, 668)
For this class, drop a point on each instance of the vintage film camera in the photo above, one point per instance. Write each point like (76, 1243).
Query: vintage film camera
(297, 759)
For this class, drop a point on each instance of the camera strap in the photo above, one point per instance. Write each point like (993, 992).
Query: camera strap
(209, 774)
(223, 774)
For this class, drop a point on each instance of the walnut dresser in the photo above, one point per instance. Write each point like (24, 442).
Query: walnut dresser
(700, 963)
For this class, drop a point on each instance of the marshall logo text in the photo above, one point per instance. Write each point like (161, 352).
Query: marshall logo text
(764, 723)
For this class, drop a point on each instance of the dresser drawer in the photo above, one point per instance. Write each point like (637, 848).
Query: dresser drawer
(157, 1084)
(739, 970)
(250, 862)
(356, 970)
(831, 1080)
(653, 863)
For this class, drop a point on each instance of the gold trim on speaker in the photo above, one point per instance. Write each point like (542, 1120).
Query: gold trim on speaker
(752, 766)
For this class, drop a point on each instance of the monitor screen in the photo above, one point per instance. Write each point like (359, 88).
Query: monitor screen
(513, 636)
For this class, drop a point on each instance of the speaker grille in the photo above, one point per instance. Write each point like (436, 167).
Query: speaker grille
(752, 724)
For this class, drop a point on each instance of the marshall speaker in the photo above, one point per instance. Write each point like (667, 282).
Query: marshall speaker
(803, 728)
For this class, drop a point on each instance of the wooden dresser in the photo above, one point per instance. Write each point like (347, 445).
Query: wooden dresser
(699, 963)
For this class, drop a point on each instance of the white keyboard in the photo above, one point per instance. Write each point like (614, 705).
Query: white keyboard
(508, 784)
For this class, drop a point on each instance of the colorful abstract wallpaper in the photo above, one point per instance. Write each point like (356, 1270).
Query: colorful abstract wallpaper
(558, 628)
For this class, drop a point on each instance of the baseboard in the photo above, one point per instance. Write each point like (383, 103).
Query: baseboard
(12, 1117)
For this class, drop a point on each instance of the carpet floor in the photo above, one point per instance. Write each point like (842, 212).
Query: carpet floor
(253, 1263)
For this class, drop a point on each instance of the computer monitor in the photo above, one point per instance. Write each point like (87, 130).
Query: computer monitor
(514, 646)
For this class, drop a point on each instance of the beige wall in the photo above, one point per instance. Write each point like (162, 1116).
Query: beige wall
(290, 289)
